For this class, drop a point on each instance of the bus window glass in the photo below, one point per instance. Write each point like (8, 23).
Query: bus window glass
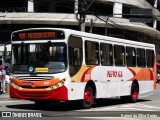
(92, 53)
(141, 61)
(119, 55)
(150, 58)
(130, 57)
(75, 54)
(51, 56)
(106, 54)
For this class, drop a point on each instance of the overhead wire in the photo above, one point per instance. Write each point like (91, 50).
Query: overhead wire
(88, 5)
(120, 28)
(114, 25)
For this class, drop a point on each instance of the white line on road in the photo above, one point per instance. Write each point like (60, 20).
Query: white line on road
(8, 101)
(146, 95)
(130, 107)
(108, 118)
(147, 106)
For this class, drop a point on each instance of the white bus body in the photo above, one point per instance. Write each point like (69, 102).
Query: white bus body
(88, 72)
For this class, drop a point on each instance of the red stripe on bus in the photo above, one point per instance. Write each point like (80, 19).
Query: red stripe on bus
(83, 76)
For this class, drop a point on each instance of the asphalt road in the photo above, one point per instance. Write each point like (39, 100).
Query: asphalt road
(146, 108)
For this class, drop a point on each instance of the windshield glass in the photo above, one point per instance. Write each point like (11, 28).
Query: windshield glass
(39, 58)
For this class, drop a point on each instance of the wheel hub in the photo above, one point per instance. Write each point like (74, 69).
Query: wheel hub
(88, 96)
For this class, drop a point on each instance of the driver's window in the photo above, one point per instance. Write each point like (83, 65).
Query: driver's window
(75, 54)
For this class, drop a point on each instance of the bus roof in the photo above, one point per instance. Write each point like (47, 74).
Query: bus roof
(69, 32)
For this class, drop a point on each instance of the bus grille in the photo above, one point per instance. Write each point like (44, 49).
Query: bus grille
(34, 78)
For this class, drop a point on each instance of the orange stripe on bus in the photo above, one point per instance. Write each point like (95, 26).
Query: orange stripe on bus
(87, 72)
(142, 74)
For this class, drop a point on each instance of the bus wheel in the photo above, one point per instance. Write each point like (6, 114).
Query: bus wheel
(134, 93)
(88, 100)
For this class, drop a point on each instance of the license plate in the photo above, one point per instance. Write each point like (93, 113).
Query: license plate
(27, 84)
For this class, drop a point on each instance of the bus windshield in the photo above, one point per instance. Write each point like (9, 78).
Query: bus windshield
(39, 57)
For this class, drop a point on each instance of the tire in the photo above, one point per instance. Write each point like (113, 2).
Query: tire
(134, 94)
(88, 99)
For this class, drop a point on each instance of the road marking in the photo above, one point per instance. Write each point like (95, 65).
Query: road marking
(123, 109)
(128, 107)
(9, 101)
(93, 110)
(119, 106)
(133, 109)
(107, 118)
(147, 106)
(146, 95)
(137, 106)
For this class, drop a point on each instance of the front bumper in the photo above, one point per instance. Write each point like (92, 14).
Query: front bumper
(30, 94)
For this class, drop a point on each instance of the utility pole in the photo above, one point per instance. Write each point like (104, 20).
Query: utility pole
(154, 20)
(83, 8)
(81, 15)
(107, 24)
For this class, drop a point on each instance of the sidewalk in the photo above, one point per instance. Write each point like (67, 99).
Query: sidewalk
(4, 96)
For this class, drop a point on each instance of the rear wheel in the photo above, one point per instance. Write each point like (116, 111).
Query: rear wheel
(88, 100)
(134, 94)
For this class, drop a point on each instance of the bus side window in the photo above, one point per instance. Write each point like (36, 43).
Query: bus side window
(141, 61)
(75, 54)
(75, 57)
(150, 58)
(92, 53)
(119, 55)
(106, 54)
(130, 56)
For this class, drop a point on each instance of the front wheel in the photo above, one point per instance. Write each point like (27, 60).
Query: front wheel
(88, 100)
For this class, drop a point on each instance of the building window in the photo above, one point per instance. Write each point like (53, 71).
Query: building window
(54, 6)
(106, 54)
(99, 8)
(92, 53)
(13, 6)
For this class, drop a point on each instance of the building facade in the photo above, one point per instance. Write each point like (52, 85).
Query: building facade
(105, 17)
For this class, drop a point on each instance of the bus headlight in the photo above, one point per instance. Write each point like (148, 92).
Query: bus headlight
(15, 86)
(58, 85)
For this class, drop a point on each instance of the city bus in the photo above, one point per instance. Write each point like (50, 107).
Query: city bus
(55, 64)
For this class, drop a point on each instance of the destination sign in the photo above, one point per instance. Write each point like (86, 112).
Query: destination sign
(37, 35)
